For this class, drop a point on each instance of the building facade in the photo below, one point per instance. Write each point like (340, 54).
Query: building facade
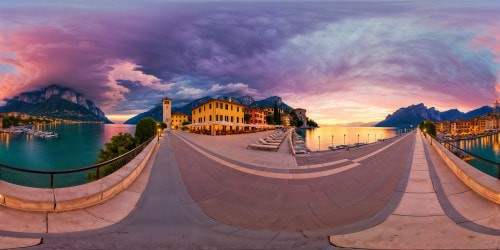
(217, 115)
(257, 116)
(285, 120)
(178, 119)
(167, 112)
(301, 115)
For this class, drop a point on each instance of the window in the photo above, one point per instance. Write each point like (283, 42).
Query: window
(232, 118)
(238, 109)
(204, 108)
(210, 106)
(237, 119)
(199, 110)
(210, 118)
(204, 118)
(227, 107)
(231, 107)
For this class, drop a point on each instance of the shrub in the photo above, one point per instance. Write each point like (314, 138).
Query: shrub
(145, 129)
(119, 145)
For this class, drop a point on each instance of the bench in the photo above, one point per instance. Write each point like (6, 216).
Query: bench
(263, 147)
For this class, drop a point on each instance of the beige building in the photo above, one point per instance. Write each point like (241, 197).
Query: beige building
(178, 119)
(285, 120)
(301, 115)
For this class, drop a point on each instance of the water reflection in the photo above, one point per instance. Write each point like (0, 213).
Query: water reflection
(321, 138)
(77, 146)
(487, 147)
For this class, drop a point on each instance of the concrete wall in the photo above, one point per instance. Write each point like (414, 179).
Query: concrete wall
(483, 184)
(70, 198)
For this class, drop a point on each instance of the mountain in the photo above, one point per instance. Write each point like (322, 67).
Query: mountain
(157, 113)
(451, 115)
(246, 100)
(56, 102)
(269, 103)
(477, 112)
(415, 114)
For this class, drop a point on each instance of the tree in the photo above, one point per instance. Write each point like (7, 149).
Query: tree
(247, 117)
(277, 115)
(186, 123)
(270, 119)
(162, 125)
(428, 127)
(311, 123)
(145, 129)
(119, 145)
(299, 123)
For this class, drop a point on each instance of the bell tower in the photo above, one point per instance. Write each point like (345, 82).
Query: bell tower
(167, 112)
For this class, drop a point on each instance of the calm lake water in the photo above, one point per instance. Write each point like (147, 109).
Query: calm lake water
(487, 147)
(366, 134)
(77, 146)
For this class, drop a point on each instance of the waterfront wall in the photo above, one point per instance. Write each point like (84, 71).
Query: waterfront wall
(77, 197)
(484, 184)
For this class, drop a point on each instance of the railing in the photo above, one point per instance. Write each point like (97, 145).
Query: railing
(487, 166)
(70, 177)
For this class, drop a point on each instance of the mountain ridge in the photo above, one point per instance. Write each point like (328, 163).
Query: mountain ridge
(57, 102)
(414, 114)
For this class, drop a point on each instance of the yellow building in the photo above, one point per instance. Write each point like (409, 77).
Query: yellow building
(178, 119)
(217, 116)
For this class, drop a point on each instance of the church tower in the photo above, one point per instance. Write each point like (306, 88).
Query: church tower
(167, 112)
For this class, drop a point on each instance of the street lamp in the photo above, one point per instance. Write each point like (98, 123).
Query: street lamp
(159, 132)
(319, 142)
(344, 139)
(358, 141)
(332, 140)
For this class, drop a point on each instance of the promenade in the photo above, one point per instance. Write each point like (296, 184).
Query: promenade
(396, 194)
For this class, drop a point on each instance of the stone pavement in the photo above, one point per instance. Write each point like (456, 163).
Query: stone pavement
(293, 200)
(194, 200)
(235, 147)
(419, 221)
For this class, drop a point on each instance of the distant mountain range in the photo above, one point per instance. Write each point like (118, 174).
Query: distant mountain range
(415, 114)
(56, 102)
(157, 113)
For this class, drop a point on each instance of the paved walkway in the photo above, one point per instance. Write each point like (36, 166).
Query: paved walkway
(419, 221)
(388, 200)
(295, 202)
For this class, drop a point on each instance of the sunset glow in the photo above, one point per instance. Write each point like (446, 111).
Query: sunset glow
(343, 62)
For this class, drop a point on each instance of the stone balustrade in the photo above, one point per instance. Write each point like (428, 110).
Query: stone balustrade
(77, 197)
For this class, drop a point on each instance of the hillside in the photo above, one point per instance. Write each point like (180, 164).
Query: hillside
(415, 114)
(56, 102)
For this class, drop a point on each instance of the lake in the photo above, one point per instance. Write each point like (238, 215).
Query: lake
(77, 146)
(487, 147)
(320, 138)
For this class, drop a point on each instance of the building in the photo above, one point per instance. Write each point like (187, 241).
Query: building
(167, 112)
(270, 111)
(285, 120)
(301, 115)
(218, 116)
(257, 116)
(443, 127)
(178, 119)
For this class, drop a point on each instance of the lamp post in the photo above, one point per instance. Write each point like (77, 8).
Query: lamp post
(358, 141)
(159, 131)
(344, 139)
(319, 143)
(332, 140)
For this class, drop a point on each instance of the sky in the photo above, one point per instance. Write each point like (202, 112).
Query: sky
(343, 61)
